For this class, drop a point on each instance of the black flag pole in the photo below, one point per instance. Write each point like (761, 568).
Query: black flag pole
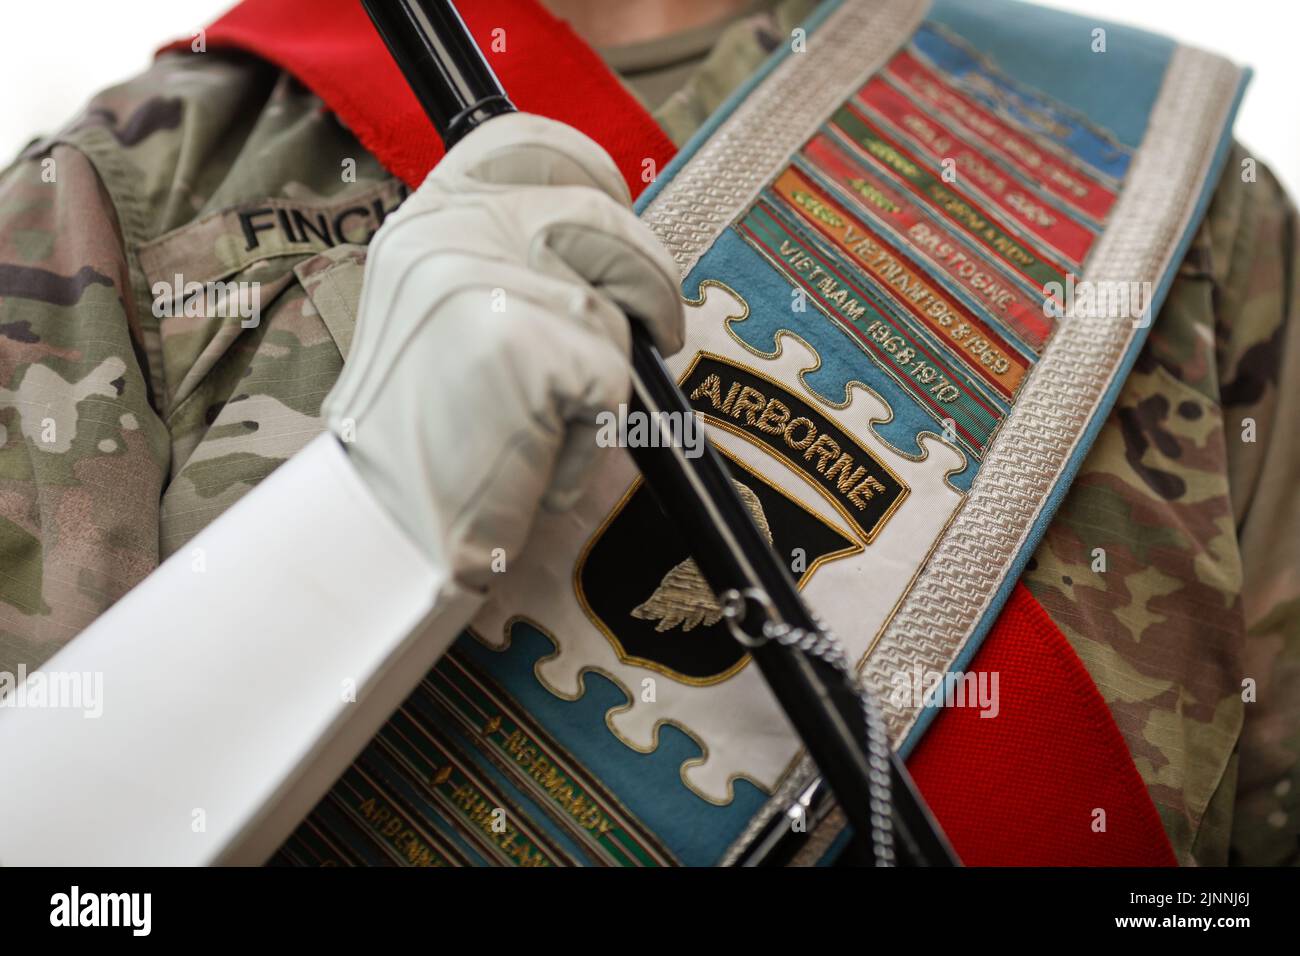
(459, 91)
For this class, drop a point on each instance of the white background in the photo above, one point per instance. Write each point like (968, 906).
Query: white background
(55, 53)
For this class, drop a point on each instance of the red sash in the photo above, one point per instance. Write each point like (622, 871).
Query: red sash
(1049, 781)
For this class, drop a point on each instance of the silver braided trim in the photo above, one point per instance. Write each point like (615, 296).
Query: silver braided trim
(975, 555)
(756, 140)
(787, 793)
(882, 798)
(823, 645)
(748, 149)
(972, 559)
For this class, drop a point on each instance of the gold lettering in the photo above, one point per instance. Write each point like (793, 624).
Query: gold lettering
(817, 209)
(809, 435)
(826, 448)
(731, 397)
(866, 490)
(750, 400)
(774, 418)
(888, 154)
(873, 195)
(712, 387)
(843, 465)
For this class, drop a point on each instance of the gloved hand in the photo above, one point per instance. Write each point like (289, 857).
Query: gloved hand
(491, 332)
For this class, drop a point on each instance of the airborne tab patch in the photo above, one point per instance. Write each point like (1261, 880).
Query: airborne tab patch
(752, 405)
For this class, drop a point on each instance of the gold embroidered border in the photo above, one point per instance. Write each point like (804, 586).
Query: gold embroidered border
(953, 592)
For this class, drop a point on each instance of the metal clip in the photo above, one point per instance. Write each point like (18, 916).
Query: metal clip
(735, 611)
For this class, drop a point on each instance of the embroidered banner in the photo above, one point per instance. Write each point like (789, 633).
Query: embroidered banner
(967, 334)
(982, 279)
(873, 351)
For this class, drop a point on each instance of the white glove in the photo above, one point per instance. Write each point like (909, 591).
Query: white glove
(491, 332)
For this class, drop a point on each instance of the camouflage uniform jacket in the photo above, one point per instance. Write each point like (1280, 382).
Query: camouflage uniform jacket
(132, 416)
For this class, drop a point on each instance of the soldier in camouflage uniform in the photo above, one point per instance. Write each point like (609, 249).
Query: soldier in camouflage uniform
(1173, 566)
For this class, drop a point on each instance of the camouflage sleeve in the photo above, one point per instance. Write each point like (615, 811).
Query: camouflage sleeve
(1259, 364)
(739, 51)
(82, 451)
(1171, 565)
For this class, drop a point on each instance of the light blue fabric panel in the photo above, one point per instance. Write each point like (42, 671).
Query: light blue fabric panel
(1052, 52)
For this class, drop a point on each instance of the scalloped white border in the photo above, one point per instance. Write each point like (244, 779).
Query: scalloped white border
(954, 592)
(1033, 451)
